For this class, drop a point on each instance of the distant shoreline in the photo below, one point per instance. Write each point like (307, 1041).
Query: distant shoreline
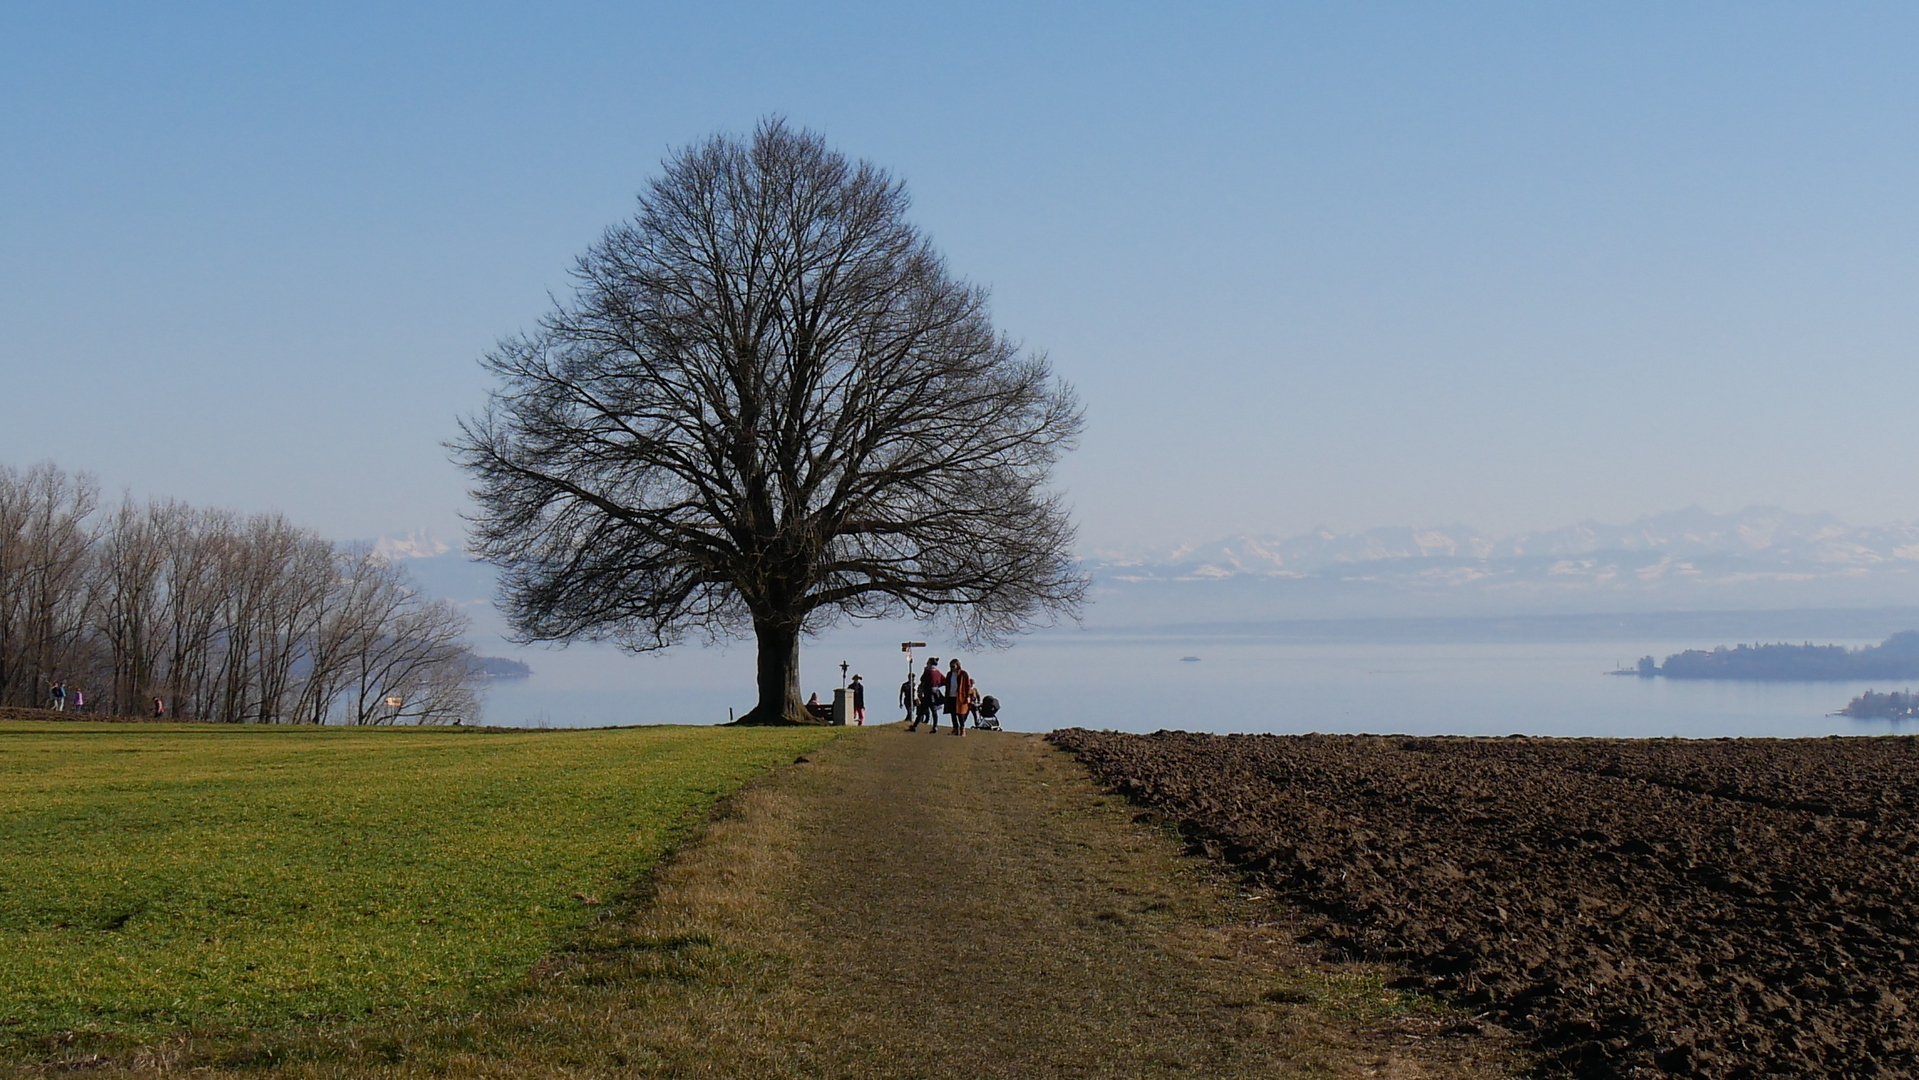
(1895, 658)
(1857, 624)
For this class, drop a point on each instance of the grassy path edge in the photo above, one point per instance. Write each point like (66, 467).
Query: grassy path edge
(390, 1032)
(719, 960)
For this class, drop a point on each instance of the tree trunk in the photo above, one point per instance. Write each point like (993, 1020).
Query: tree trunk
(779, 676)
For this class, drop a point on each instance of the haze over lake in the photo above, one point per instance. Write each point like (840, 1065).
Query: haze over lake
(1420, 631)
(1130, 683)
(1539, 675)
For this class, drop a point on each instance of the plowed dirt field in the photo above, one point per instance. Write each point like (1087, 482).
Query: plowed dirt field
(1725, 908)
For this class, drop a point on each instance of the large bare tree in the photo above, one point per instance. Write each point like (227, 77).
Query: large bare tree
(768, 405)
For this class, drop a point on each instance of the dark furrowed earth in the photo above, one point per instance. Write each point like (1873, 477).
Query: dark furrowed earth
(1723, 908)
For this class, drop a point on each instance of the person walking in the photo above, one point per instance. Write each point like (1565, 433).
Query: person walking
(859, 702)
(931, 680)
(935, 693)
(959, 696)
(908, 699)
(59, 695)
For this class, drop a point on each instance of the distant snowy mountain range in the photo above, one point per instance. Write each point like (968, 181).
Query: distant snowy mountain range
(1672, 543)
(417, 544)
(1760, 557)
(1686, 560)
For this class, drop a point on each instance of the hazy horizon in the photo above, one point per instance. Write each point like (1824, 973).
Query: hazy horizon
(1497, 264)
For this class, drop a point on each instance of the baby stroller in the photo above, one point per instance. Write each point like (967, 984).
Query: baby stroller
(986, 714)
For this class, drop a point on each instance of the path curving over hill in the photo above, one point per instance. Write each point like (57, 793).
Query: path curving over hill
(976, 907)
(905, 905)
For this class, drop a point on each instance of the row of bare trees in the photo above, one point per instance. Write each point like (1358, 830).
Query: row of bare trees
(220, 616)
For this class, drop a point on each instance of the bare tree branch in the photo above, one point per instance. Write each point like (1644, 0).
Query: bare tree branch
(769, 405)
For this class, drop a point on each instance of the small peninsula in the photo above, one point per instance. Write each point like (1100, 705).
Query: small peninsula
(1898, 705)
(1895, 658)
(499, 667)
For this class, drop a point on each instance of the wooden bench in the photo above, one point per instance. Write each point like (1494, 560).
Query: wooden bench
(822, 713)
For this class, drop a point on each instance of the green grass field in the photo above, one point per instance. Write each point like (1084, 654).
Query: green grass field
(167, 878)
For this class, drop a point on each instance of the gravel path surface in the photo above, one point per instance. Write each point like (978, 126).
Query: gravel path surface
(976, 907)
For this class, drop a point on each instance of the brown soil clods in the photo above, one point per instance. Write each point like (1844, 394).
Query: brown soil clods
(1728, 908)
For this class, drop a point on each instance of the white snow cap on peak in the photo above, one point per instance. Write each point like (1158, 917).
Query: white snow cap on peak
(418, 544)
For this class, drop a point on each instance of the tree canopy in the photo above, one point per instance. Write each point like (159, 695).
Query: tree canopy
(769, 405)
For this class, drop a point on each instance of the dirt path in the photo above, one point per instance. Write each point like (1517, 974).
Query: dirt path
(914, 906)
(973, 907)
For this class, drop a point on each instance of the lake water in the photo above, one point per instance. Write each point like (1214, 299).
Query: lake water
(1133, 682)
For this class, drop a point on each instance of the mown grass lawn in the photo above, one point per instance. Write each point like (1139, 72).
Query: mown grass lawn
(165, 878)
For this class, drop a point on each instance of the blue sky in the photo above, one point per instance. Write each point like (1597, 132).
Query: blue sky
(1511, 264)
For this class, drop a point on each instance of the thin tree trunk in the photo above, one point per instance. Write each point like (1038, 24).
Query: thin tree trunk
(779, 676)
